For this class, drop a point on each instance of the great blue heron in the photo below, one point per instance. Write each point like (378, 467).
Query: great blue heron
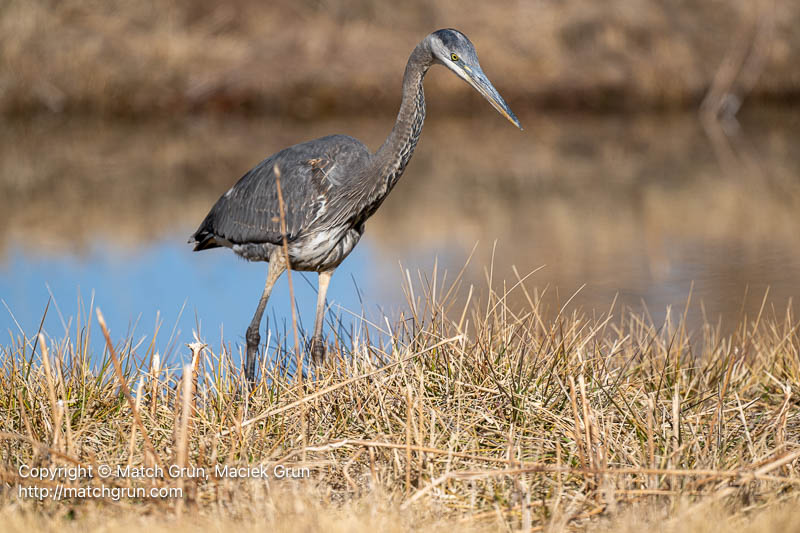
(330, 187)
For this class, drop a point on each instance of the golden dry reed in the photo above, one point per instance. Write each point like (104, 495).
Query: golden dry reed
(462, 412)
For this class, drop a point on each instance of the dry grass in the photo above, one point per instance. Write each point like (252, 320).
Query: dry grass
(313, 57)
(477, 416)
(304, 510)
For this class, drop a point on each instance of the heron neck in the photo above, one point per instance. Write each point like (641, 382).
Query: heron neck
(395, 153)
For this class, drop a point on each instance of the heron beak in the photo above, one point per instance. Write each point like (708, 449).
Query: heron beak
(479, 81)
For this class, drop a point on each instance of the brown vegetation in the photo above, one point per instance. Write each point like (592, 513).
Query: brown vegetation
(312, 57)
(478, 415)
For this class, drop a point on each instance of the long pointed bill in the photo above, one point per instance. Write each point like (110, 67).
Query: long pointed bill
(476, 78)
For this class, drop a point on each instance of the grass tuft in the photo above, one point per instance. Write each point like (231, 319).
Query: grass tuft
(471, 413)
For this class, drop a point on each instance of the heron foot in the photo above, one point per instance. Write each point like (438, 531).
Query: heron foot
(317, 349)
(253, 340)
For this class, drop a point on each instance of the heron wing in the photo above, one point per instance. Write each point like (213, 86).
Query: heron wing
(250, 211)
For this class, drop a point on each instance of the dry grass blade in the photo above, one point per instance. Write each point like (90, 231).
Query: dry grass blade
(123, 385)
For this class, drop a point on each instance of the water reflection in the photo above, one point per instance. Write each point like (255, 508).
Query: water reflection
(634, 206)
(213, 294)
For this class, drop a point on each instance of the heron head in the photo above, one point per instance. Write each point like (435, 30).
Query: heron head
(454, 50)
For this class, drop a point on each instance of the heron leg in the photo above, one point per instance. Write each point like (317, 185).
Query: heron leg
(317, 347)
(277, 264)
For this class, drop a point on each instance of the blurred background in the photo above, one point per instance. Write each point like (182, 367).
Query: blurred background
(659, 158)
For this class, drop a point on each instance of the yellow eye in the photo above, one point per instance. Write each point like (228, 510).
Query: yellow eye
(454, 57)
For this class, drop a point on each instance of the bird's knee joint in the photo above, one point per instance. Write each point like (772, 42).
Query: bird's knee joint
(252, 336)
(317, 349)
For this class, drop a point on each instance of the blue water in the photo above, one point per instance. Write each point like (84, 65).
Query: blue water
(643, 229)
(213, 293)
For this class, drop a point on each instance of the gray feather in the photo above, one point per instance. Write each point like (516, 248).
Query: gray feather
(311, 174)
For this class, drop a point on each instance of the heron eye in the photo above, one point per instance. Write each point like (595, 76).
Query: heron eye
(454, 57)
